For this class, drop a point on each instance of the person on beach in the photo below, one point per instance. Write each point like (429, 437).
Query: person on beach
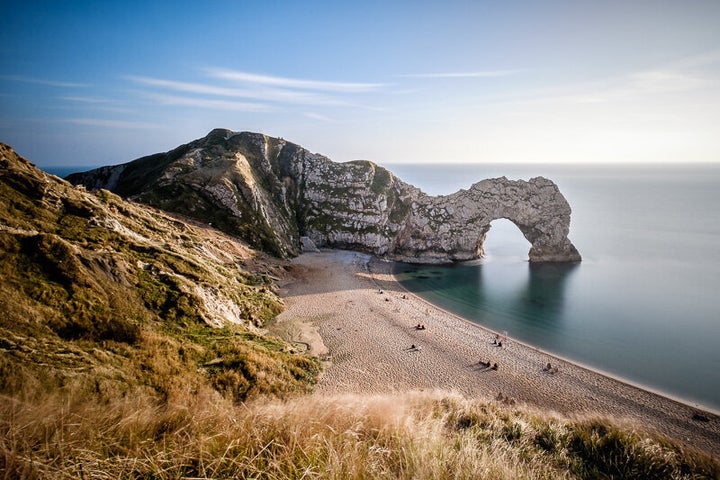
(550, 369)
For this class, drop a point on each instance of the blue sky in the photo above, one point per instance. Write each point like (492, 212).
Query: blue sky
(93, 83)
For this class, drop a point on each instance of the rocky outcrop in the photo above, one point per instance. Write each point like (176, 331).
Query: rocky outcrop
(272, 192)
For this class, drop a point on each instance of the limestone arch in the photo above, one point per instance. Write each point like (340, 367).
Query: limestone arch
(454, 227)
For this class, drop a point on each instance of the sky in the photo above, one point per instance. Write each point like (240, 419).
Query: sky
(96, 83)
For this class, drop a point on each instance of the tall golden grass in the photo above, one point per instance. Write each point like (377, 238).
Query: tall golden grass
(418, 435)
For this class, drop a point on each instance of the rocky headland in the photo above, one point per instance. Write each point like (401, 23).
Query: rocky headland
(273, 193)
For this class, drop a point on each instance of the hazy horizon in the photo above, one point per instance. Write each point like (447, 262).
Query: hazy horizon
(100, 83)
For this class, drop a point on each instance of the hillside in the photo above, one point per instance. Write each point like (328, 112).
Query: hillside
(131, 346)
(110, 296)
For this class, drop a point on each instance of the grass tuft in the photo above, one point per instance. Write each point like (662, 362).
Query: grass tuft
(412, 435)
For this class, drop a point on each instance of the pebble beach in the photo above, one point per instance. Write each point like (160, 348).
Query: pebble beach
(347, 308)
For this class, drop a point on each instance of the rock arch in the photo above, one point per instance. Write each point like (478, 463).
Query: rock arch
(454, 227)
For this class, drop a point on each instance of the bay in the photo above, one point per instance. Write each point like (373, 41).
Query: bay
(642, 306)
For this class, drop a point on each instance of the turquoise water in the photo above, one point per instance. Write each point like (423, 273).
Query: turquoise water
(644, 304)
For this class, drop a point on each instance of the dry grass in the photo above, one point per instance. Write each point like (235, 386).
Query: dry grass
(414, 435)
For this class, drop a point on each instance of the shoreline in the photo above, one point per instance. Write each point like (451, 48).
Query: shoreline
(335, 310)
(576, 363)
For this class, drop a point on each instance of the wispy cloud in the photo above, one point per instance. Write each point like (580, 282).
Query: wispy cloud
(95, 104)
(86, 100)
(635, 86)
(702, 59)
(106, 123)
(317, 116)
(650, 83)
(215, 104)
(293, 83)
(265, 94)
(42, 81)
(663, 81)
(478, 74)
(258, 92)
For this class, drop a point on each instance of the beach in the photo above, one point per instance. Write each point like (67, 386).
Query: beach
(346, 308)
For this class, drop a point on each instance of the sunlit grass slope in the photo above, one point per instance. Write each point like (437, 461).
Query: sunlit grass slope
(408, 436)
(108, 296)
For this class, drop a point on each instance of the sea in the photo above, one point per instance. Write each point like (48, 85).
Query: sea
(63, 171)
(642, 306)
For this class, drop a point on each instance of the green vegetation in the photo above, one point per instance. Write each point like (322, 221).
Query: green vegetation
(380, 180)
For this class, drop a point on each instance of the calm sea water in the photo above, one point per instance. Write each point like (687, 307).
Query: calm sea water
(644, 304)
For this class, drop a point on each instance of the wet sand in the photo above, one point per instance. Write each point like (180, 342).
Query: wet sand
(335, 309)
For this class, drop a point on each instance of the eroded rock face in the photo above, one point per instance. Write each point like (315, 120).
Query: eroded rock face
(272, 192)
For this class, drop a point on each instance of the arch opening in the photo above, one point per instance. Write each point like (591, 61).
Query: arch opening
(504, 239)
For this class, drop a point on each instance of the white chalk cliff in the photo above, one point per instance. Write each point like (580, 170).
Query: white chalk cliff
(272, 193)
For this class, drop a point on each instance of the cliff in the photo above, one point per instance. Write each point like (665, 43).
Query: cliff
(271, 193)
